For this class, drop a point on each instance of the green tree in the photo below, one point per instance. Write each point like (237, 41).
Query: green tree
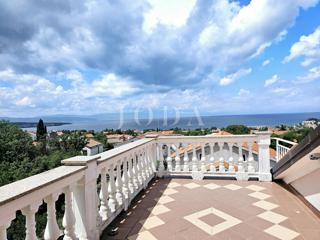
(237, 129)
(41, 131)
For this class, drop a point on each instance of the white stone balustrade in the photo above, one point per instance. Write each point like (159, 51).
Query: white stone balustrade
(97, 188)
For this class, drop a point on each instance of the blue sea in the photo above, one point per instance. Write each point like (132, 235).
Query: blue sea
(189, 122)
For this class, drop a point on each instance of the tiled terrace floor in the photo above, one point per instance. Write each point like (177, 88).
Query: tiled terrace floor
(215, 209)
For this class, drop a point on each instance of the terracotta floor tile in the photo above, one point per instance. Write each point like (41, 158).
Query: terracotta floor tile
(261, 211)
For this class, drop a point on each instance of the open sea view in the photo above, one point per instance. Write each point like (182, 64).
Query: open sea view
(189, 122)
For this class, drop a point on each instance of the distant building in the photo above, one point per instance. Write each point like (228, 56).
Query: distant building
(89, 136)
(33, 135)
(118, 138)
(310, 124)
(93, 147)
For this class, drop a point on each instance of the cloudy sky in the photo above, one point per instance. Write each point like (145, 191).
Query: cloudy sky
(100, 56)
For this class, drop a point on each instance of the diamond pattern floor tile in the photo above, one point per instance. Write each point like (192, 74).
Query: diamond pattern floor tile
(159, 209)
(259, 195)
(282, 233)
(191, 185)
(151, 222)
(164, 199)
(265, 205)
(145, 235)
(232, 187)
(255, 188)
(169, 191)
(272, 217)
(211, 186)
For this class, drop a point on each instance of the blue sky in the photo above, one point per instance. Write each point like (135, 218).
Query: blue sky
(214, 57)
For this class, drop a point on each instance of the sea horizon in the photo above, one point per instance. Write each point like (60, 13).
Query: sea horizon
(192, 122)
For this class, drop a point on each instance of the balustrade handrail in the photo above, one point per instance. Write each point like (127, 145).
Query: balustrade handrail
(284, 140)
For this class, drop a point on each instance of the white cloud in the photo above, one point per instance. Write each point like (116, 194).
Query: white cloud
(266, 62)
(307, 47)
(275, 78)
(26, 101)
(313, 74)
(234, 76)
(167, 12)
(243, 92)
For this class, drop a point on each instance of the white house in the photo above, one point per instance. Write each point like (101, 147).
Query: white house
(93, 147)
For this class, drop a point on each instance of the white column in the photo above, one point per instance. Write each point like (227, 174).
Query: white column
(169, 158)
(153, 158)
(264, 156)
(203, 158)
(222, 169)
(30, 212)
(68, 220)
(185, 158)
(250, 159)
(143, 168)
(161, 160)
(212, 166)
(103, 196)
(52, 230)
(231, 163)
(194, 158)
(177, 159)
(112, 203)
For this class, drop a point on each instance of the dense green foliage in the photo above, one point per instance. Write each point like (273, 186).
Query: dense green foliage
(237, 129)
(41, 131)
(194, 132)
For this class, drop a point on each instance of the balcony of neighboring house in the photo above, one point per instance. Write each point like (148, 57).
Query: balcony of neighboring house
(174, 187)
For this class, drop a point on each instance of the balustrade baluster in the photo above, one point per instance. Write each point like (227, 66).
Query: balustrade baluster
(169, 158)
(112, 203)
(250, 159)
(30, 212)
(231, 163)
(194, 158)
(185, 158)
(222, 168)
(153, 158)
(4, 225)
(240, 160)
(103, 196)
(177, 159)
(125, 179)
(139, 169)
(150, 161)
(119, 193)
(203, 158)
(161, 160)
(212, 166)
(144, 167)
(52, 230)
(131, 177)
(68, 221)
(135, 172)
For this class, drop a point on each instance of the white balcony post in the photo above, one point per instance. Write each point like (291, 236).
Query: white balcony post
(103, 196)
(169, 158)
(185, 158)
(177, 159)
(143, 168)
(5, 222)
(68, 220)
(212, 166)
(160, 172)
(85, 198)
(203, 158)
(231, 164)
(112, 203)
(149, 160)
(250, 159)
(30, 212)
(52, 230)
(222, 169)
(240, 158)
(139, 170)
(194, 158)
(153, 158)
(264, 156)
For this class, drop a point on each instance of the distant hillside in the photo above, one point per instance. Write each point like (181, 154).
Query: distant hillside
(34, 124)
